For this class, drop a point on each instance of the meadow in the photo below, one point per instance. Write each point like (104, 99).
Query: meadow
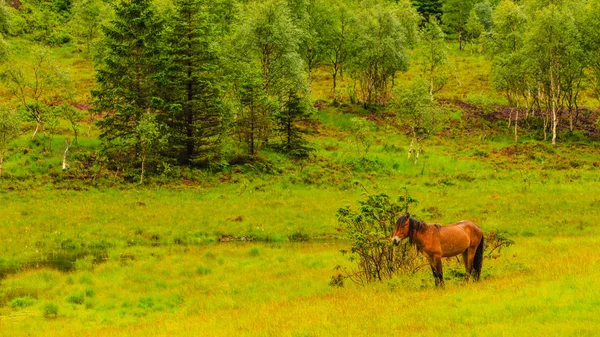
(251, 251)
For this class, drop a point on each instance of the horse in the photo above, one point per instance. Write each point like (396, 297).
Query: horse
(435, 242)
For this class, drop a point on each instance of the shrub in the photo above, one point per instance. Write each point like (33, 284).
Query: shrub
(299, 237)
(22, 302)
(202, 270)
(50, 310)
(494, 241)
(76, 299)
(369, 229)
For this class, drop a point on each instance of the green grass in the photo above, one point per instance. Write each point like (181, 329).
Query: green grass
(100, 258)
(148, 261)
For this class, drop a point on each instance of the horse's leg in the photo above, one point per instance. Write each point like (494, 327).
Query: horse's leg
(468, 264)
(438, 266)
(433, 263)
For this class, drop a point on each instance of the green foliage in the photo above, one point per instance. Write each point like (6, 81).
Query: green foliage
(338, 39)
(76, 299)
(126, 77)
(22, 302)
(35, 86)
(253, 111)
(195, 91)
(435, 55)
(369, 230)
(287, 123)
(265, 39)
(494, 241)
(417, 109)
(10, 128)
(455, 17)
(87, 18)
(381, 49)
(429, 8)
(50, 310)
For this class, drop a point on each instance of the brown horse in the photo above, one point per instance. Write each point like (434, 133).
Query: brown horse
(435, 242)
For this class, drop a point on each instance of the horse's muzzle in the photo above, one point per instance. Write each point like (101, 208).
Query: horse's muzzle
(396, 240)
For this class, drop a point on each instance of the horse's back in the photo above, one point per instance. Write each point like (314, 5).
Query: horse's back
(457, 237)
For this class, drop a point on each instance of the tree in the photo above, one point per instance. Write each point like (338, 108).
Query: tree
(264, 43)
(5, 18)
(253, 111)
(316, 24)
(196, 125)
(87, 17)
(505, 44)
(590, 27)
(128, 76)
(509, 24)
(37, 85)
(435, 55)
(150, 139)
(10, 122)
(553, 50)
(429, 8)
(338, 40)
(456, 14)
(266, 35)
(479, 23)
(417, 109)
(383, 37)
(74, 116)
(295, 111)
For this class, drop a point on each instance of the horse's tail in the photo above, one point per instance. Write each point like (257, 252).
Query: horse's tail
(478, 260)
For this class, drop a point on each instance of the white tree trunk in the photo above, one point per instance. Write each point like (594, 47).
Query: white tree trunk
(64, 162)
(143, 169)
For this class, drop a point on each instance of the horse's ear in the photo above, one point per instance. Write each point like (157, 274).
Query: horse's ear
(407, 215)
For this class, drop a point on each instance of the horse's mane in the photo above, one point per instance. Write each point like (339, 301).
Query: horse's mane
(414, 226)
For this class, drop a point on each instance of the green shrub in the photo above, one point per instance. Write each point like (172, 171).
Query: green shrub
(202, 270)
(76, 299)
(369, 230)
(22, 302)
(50, 310)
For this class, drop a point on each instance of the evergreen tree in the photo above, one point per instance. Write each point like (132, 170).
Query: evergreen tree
(253, 113)
(295, 111)
(127, 76)
(195, 79)
(429, 8)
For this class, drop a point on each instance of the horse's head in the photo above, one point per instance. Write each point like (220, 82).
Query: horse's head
(401, 230)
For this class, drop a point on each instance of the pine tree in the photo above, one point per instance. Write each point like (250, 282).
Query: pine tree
(287, 120)
(127, 76)
(194, 78)
(429, 8)
(252, 120)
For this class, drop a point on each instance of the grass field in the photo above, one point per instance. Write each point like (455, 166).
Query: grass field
(142, 261)
(215, 255)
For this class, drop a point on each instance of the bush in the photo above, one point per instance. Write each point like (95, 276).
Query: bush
(76, 299)
(369, 229)
(50, 310)
(22, 302)
(58, 38)
(494, 241)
